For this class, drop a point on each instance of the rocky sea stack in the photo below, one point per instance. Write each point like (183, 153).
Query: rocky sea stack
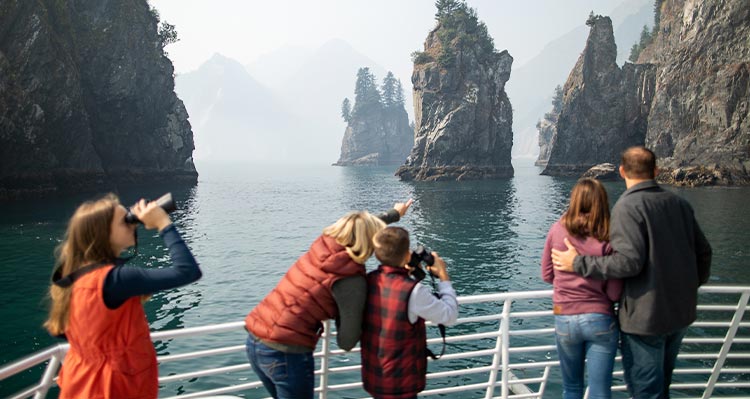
(686, 97)
(462, 114)
(601, 112)
(87, 99)
(547, 128)
(377, 131)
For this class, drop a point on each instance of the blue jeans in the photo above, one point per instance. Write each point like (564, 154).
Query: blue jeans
(648, 362)
(591, 337)
(285, 375)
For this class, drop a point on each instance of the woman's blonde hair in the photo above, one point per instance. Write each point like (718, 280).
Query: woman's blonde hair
(86, 240)
(588, 212)
(355, 231)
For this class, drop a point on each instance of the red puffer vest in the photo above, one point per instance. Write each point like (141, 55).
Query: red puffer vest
(394, 357)
(292, 313)
(111, 354)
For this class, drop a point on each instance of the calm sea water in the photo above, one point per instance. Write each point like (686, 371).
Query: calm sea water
(247, 223)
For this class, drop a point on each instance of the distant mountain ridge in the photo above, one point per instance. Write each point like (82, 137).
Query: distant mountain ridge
(294, 120)
(234, 116)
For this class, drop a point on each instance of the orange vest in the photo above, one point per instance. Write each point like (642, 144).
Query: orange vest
(111, 354)
(292, 313)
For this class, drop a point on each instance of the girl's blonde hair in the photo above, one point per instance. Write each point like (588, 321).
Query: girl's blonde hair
(355, 231)
(588, 212)
(86, 240)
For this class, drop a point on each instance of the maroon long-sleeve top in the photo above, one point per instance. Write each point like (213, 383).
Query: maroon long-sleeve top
(574, 294)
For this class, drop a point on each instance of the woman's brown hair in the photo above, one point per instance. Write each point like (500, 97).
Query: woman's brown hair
(86, 241)
(588, 212)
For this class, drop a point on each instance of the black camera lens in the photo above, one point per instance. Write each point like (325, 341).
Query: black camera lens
(165, 202)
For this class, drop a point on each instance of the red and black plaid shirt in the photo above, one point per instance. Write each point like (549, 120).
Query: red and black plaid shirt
(394, 362)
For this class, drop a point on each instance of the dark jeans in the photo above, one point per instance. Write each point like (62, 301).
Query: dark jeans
(285, 375)
(590, 339)
(648, 362)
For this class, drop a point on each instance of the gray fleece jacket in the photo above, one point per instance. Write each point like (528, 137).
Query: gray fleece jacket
(662, 255)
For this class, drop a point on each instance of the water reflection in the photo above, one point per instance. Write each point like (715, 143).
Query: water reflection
(472, 225)
(246, 224)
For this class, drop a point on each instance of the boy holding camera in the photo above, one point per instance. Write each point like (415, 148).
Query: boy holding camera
(394, 341)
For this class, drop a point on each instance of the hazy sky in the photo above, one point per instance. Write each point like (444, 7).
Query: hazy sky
(386, 31)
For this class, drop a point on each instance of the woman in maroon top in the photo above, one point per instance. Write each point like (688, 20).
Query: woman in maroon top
(585, 324)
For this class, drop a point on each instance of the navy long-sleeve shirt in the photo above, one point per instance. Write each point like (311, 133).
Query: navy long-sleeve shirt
(124, 282)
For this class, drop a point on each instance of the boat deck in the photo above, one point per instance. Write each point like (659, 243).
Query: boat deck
(502, 347)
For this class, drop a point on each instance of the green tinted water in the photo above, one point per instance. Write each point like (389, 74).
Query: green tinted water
(247, 223)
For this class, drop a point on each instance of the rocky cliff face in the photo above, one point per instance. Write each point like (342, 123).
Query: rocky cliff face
(380, 137)
(86, 98)
(604, 108)
(687, 98)
(547, 130)
(699, 126)
(463, 116)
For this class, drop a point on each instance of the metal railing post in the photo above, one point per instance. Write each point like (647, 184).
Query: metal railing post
(543, 384)
(496, 358)
(49, 375)
(324, 360)
(505, 333)
(731, 332)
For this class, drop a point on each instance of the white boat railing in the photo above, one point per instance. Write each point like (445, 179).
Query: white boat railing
(503, 346)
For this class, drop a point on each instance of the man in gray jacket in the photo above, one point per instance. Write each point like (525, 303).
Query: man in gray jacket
(663, 257)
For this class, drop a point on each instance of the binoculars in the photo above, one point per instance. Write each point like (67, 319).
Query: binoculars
(419, 255)
(165, 202)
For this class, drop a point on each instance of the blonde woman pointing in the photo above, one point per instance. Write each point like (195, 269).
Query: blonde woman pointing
(327, 282)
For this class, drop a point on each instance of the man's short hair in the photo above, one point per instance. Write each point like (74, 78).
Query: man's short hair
(391, 245)
(639, 163)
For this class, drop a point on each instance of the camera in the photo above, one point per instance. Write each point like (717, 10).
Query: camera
(419, 255)
(165, 202)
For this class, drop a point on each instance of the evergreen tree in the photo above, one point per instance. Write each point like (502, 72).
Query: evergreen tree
(389, 90)
(557, 99)
(645, 38)
(446, 7)
(460, 29)
(635, 51)
(166, 31)
(400, 100)
(346, 110)
(366, 93)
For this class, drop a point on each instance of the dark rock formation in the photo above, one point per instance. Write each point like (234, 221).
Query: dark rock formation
(378, 131)
(604, 107)
(463, 115)
(699, 117)
(547, 128)
(86, 98)
(687, 99)
(604, 171)
(693, 176)
(381, 138)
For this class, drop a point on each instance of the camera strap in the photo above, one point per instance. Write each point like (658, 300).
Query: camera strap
(71, 278)
(441, 327)
(430, 353)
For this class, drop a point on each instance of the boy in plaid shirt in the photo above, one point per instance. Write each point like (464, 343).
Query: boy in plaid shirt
(394, 342)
